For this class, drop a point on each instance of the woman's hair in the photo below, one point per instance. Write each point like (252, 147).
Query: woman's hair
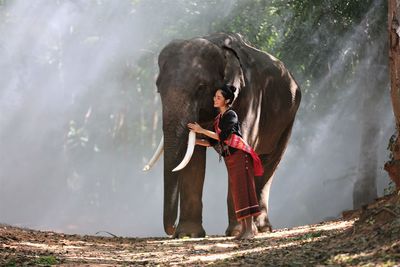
(228, 92)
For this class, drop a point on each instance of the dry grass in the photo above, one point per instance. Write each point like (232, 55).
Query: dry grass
(370, 237)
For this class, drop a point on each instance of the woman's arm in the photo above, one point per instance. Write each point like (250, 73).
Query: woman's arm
(202, 142)
(209, 133)
(198, 129)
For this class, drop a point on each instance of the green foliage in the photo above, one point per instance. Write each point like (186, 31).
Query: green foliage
(390, 189)
(309, 235)
(46, 260)
(391, 145)
(307, 35)
(76, 137)
(117, 114)
(304, 34)
(298, 32)
(4, 2)
(11, 263)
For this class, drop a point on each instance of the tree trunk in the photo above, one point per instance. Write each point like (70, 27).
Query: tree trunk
(393, 166)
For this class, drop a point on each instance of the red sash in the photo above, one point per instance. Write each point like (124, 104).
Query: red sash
(237, 142)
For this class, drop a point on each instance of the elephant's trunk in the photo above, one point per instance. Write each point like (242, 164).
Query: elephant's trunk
(172, 156)
(171, 196)
(178, 111)
(175, 145)
(171, 189)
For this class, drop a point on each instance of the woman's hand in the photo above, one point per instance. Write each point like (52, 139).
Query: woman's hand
(195, 127)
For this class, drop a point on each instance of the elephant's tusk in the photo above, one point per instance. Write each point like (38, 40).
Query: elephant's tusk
(189, 152)
(156, 155)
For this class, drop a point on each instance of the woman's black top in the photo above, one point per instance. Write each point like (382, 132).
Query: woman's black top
(228, 123)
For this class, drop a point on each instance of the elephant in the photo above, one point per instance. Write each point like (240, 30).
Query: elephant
(267, 100)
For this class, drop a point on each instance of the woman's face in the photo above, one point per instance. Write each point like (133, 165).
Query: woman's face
(219, 100)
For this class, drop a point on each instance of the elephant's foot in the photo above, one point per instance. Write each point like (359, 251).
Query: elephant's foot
(189, 229)
(263, 224)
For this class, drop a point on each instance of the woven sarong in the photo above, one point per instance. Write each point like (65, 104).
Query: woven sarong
(241, 181)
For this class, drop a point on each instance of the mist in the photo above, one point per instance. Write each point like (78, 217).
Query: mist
(315, 179)
(80, 116)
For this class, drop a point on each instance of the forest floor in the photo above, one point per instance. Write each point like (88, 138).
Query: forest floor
(365, 237)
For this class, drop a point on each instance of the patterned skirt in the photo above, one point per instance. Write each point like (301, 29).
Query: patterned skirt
(241, 181)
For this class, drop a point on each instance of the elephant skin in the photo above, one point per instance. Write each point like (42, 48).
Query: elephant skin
(267, 101)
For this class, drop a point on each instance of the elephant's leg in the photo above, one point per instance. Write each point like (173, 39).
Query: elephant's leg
(191, 180)
(262, 189)
(263, 183)
(234, 227)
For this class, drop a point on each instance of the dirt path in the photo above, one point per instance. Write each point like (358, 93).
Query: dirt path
(369, 237)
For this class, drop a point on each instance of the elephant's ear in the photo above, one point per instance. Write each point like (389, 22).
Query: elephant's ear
(233, 73)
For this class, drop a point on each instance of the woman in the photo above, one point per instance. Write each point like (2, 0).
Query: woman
(240, 159)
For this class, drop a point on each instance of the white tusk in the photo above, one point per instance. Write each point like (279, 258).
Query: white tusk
(189, 152)
(156, 155)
